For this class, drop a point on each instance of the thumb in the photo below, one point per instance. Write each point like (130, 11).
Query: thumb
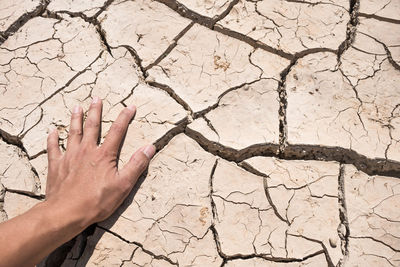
(137, 164)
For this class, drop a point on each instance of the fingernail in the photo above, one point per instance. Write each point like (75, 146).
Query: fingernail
(132, 107)
(149, 151)
(95, 100)
(76, 109)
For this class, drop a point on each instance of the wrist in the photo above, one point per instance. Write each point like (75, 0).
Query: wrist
(62, 218)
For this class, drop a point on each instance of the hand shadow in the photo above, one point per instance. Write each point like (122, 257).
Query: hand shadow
(77, 252)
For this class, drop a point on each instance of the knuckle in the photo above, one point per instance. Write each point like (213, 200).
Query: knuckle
(140, 161)
(75, 132)
(118, 127)
(75, 116)
(108, 153)
(90, 123)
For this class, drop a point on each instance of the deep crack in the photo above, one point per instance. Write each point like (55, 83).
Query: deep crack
(343, 228)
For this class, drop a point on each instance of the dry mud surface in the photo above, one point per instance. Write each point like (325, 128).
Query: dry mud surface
(277, 125)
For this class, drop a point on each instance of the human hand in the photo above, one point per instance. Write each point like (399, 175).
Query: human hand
(86, 181)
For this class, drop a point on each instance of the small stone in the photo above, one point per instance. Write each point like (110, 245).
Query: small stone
(333, 242)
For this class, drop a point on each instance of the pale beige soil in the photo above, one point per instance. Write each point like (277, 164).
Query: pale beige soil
(277, 125)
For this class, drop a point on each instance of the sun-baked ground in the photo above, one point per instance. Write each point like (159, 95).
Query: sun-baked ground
(277, 125)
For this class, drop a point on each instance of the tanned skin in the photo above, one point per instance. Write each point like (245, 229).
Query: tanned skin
(84, 186)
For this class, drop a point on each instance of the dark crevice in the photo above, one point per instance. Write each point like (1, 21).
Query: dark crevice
(351, 28)
(39, 10)
(283, 102)
(343, 227)
(376, 166)
(282, 94)
(137, 59)
(16, 141)
(232, 154)
(272, 259)
(215, 214)
(12, 140)
(166, 138)
(172, 94)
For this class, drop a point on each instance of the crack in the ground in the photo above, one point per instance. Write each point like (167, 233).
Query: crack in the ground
(3, 213)
(324, 248)
(153, 255)
(91, 20)
(376, 240)
(170, 47)
(380, 18)
(264, 176)
(130, 257)
(253, 43)
(39, 10)
(212, 24)
(376, 166)
(167, 137)
(388, 53)
(137, 59)
(272, 259)
(351, 28)
(314, 3)
(343, 228)
(26, 194)
(282, 150)
(226, 258)
(283, 102)
(172, 94)
(203, 112)
(102, 9)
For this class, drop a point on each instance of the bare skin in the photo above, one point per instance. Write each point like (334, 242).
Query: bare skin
(84, 186)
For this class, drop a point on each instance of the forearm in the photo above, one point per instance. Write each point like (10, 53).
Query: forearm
(84, 186)
(26, 239)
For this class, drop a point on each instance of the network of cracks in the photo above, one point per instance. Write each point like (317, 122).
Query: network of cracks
(277, 126)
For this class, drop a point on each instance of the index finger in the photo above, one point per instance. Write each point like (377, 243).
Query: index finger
(118, 130)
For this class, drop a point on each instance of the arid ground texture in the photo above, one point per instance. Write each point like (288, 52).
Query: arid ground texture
(277, 125)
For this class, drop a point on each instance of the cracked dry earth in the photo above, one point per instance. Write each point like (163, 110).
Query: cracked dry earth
(277, 126)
